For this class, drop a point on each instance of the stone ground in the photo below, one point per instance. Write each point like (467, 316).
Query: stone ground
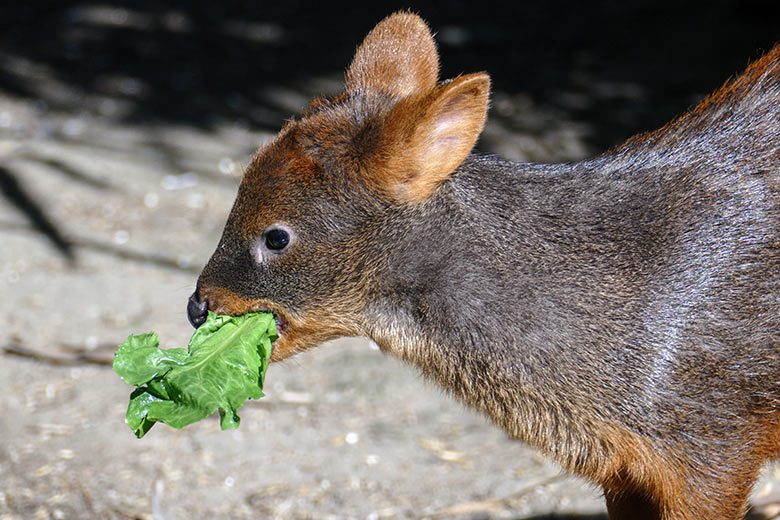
(120, 155)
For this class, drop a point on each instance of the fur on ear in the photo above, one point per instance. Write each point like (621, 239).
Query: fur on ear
(397, 58)
(434, 135)
(430, 128)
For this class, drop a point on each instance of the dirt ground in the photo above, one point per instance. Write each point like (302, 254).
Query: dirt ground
(119, 160)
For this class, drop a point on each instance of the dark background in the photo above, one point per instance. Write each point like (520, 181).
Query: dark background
(621, 67)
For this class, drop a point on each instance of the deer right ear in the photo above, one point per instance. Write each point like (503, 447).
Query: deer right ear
(431, 128)
(427, 139)
(398, 57)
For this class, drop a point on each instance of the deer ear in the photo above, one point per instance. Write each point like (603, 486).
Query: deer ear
(398, 57)
(439, 140)
(432, 128)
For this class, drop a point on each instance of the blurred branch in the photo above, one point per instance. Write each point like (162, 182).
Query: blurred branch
(69, 357)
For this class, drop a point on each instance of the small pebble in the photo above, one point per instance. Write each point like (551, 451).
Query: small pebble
(151, 200)
(121, 237)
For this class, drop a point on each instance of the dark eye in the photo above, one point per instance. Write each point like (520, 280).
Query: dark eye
(276, 239)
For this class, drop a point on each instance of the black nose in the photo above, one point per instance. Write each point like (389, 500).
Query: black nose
(197, 310)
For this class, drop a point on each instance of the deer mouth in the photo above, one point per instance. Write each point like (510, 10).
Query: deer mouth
(280, 316)
(281, 324)
(223, 301)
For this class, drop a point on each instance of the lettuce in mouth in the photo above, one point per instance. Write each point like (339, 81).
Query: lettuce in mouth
(223, 366)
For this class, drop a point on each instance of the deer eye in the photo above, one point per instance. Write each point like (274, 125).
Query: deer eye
(273, 242)
(276, 239)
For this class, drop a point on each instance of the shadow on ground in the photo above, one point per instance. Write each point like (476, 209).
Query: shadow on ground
(615, 69)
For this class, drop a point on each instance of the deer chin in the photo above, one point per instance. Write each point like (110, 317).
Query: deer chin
(301, 333)
(285, 347)
(296, 335)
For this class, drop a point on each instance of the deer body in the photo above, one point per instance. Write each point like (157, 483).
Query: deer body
(622, 314)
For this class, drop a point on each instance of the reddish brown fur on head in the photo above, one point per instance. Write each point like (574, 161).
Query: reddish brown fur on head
(392, 137)
(400, 130)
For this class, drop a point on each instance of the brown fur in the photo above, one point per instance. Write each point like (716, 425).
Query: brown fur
(413, 72)
(424, 138)
(621, 314)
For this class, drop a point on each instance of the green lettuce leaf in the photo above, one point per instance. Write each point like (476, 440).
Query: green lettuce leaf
(223, 366)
